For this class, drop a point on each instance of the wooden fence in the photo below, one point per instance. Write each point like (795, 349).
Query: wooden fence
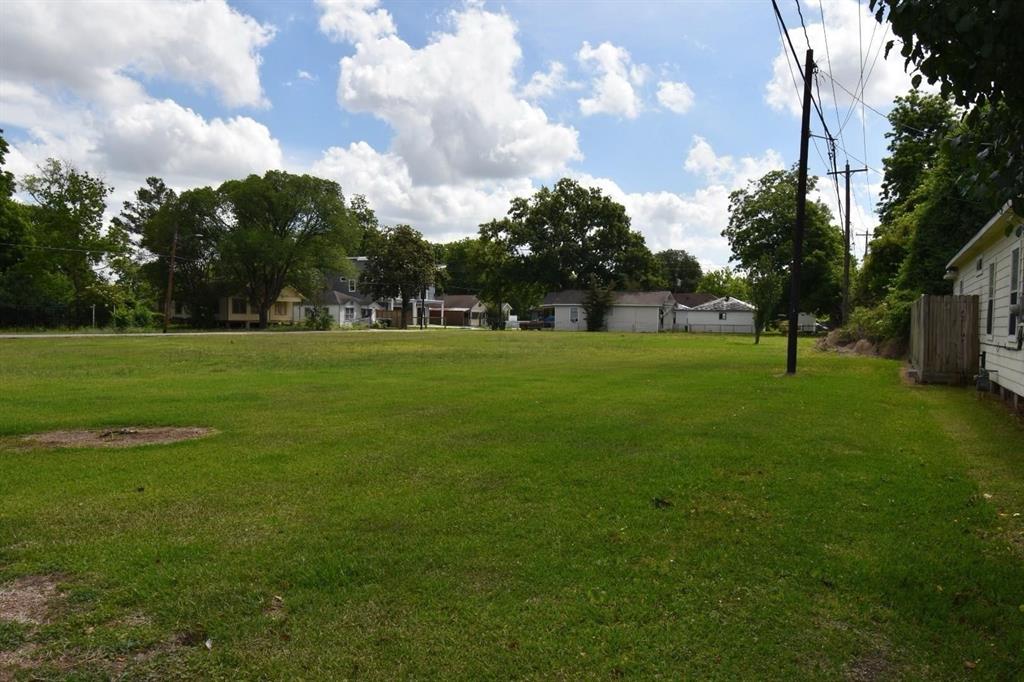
(944, 343)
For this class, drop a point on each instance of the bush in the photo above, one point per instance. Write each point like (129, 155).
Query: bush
(889, 320)
(133, 314)
(319, 319)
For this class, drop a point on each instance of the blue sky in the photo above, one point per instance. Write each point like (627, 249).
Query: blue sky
(440, 112)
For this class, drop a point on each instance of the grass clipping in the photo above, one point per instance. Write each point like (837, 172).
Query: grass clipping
(125, 437)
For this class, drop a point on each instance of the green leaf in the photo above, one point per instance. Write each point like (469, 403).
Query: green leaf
(916, 80)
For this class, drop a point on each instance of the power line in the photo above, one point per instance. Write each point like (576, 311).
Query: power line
(23, 245)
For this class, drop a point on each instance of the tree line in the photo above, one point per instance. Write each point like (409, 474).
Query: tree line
(255, 236)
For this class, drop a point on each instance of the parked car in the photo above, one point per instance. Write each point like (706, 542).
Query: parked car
(549, 322)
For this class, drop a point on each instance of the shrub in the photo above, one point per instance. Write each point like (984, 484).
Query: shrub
(319, 319)
(133, 314)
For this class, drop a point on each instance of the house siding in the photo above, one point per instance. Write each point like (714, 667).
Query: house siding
(631, 318)
(563, 320)
(735, 322)
(999, 346)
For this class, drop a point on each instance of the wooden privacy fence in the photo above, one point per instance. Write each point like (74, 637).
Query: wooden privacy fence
(944, 338)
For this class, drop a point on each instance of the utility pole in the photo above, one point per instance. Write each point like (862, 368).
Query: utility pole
(865, 234)
(801, 215)
(846, 233)
(170, 279)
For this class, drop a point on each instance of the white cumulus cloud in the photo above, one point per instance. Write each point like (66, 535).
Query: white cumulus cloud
(354, 21)
(454, 104)
(546, 83)
(95, 49)
(852, 33)
(615, 81)
(676, 97)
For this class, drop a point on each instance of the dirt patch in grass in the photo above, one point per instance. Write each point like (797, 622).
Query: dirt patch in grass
(123, 437)
(870, 666)
(28, 599)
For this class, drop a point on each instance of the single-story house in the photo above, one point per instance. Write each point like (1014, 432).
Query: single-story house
(725, 315)
(463, 310)
(631, 311)
(991, 267)
(236, 311)
(344, 308)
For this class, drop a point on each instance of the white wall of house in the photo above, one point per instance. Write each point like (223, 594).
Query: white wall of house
(343, 316)
(714, 321)
(570, 318)
(990, 278)
(633, 318)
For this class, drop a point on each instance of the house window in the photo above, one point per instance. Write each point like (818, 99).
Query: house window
(366, 312)
(574, 314)
(722, 316)
(238, 306)
(350, 313)
(961, 286)
(977, 266)
(351, 285)
(991, 297)
(1015, 286)
(280, 308)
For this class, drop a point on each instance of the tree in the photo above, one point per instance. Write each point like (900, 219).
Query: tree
(761, 219)
(366, 221)
(564, 235)
(766, 284)
(919, 125)
(596, 304)
(724, 282)
(67, 227)
(278, 228)
(973, 51)
(400, 264)
(679, 269)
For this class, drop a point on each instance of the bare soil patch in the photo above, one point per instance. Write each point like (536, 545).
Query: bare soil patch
(123, 437)
(27, 599)
(871, 666)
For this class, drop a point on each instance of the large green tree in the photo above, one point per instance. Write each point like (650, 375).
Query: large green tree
(66, 225)
(400, 264)
(972, 49)
(920, 126)
(280, 228)
(761, 220)
(566, 234)
(724, 282)
(679, 269)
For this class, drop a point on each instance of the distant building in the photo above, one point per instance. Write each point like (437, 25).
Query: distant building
(726, 315)
(639, 311)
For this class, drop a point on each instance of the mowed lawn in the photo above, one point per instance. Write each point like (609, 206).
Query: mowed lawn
(482, 505)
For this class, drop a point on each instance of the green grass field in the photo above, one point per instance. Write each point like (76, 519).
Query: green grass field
(481, 505)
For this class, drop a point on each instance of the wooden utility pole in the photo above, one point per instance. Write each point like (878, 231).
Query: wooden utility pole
(846, 233)
(170, 280)
(865, 234)
(801, 216)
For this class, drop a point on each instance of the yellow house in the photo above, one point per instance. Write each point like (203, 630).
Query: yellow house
(237, 311)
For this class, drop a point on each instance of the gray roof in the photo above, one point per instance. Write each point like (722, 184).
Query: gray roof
(646, 298)
(565, 297)
(726, 303)
(691, 299)
(459, 301)
(335, 297)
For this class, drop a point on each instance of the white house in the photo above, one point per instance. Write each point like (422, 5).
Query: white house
(724, 315)
(631, 311)
(344, 308)
(990, 267)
